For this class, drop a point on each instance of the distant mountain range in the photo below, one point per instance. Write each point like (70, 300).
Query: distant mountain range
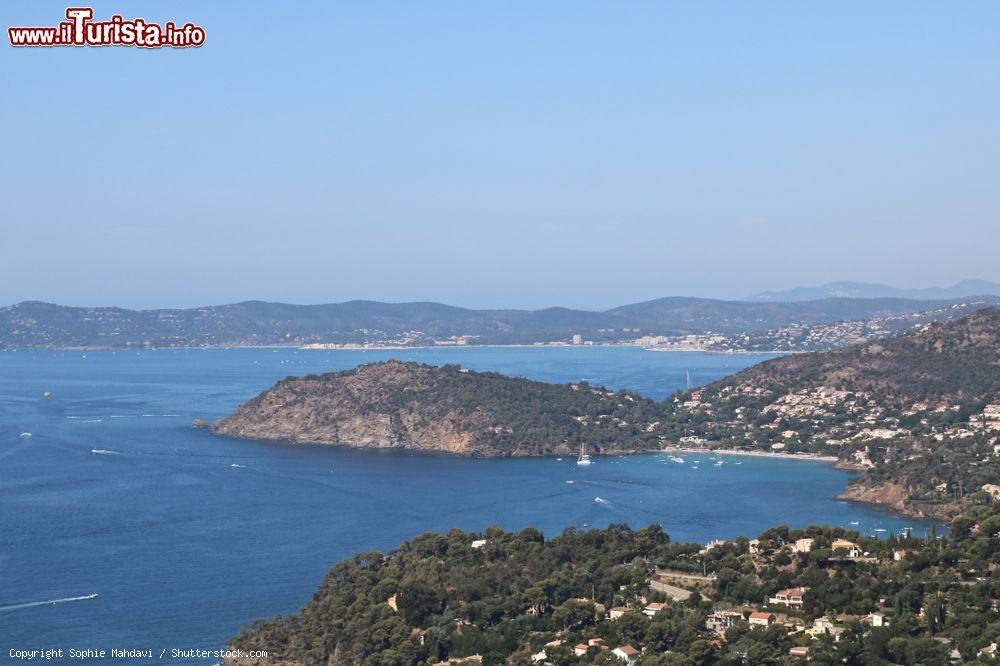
(33, 324)
(963, 289)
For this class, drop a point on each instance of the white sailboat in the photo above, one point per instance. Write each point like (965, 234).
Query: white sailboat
(584, 459)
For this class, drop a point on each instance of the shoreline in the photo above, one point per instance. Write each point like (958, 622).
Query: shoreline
(210, 427)
(753, 454)
(877, 501)
(733, 352)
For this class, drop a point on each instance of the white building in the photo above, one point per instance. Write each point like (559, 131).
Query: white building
(803, 545)
(627, 653)
(790, 597)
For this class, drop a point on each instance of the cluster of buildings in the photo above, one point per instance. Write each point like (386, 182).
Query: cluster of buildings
(789, 610)
(724, 618)
(820, 336)
(699, 342)
(628, 654)
(989, 419)
(366, 338)
(795, 337)
(838, 418)
(811, 337)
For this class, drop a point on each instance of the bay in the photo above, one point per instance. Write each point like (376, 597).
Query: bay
(185, 537)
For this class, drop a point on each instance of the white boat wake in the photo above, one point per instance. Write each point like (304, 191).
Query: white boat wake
(50, 602)
(106, 452)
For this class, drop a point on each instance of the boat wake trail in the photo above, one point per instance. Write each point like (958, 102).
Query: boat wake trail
(106, 452)
(50, 602)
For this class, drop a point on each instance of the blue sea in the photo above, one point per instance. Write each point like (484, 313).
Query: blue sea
(185, 537)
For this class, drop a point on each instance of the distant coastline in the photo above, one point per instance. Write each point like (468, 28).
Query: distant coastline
(666, 324)
(349, 347)
(560, 345)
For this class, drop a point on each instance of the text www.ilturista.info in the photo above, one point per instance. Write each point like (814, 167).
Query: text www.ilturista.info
(80, 30)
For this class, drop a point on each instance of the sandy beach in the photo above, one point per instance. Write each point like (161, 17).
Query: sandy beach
(755, 454)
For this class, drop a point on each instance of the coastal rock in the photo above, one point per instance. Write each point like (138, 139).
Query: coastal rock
(896, 496)
(886, 494)
(202, 423)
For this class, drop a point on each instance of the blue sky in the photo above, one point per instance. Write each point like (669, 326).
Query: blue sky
(501, 154)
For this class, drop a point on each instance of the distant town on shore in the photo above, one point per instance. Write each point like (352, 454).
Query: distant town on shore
(765, 323)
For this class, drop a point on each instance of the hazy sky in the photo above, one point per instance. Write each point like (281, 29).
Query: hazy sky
(501, 154)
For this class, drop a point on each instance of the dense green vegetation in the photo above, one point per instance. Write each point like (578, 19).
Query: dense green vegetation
(514, 595)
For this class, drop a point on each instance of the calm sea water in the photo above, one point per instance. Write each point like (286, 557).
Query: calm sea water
(186, 537)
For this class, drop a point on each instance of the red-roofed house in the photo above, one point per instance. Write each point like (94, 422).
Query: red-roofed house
(653, 608)
(761, 618)
(627, 653)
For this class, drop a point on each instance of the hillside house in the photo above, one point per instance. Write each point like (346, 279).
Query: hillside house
(791, 597)
(761, 619)
(720, 621)
(803, 545)
(853, 549)
(627, 653)
(653, 608)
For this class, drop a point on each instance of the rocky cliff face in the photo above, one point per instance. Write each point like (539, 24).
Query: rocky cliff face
(444, 410)
(375, 407)
(896, 496)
